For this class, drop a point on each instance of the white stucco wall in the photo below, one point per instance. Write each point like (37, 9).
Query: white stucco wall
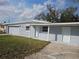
(54, 35)
(41, 35)
(23, 31)
(32, 31)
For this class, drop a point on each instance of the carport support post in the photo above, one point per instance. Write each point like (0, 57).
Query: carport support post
(48, 32)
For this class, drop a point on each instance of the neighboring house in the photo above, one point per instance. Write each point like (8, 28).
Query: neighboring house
(2, 28)
(60, 32)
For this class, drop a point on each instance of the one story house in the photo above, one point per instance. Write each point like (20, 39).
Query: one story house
(60, 32)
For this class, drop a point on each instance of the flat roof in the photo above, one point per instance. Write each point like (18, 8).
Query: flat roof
(60, 24)
(44, 23)
(14, 25)
(29, 22)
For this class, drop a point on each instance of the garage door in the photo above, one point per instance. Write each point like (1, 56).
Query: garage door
(14, 30)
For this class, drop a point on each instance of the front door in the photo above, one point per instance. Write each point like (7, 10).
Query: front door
(66, 31)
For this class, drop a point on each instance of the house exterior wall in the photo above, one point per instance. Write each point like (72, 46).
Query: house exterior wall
(55, 33)
(74, 35)
(13, 29)
(41, 35)
(23, 31)
(7, 30)
(32, 31)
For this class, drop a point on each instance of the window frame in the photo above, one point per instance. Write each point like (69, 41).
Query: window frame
(27, 27)
(45, 29)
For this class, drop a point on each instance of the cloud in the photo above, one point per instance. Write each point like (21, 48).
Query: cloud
(4, 2)
(6, 12)
(21, 12)
(58, 4)
(30, 13)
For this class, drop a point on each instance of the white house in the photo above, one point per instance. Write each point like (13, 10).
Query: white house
(60, 32)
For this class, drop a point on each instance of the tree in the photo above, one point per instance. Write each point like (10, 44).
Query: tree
(76, 18)
(51, 15)
(68, 15)
(41, 16)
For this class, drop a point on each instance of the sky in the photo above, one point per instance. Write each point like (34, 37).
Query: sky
(23, 10)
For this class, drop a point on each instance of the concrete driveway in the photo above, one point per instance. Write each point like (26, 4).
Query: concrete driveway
(56, 51)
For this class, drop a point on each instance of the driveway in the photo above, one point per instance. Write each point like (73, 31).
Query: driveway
(56, 51)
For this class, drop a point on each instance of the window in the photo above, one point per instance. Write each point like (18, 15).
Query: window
(27, 27)
(44, 29)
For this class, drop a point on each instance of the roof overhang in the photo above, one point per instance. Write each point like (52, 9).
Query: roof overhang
(29, 22)
(14, 25)
(58, 24)
(2, 24)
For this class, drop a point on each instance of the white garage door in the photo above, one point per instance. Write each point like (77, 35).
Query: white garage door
(14, 30)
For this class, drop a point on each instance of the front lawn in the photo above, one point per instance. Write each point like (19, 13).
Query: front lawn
(15, 47)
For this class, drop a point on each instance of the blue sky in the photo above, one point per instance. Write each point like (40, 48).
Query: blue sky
(28, 3)
(21, 10)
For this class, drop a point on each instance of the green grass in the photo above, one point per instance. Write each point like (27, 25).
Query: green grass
(15, 47)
